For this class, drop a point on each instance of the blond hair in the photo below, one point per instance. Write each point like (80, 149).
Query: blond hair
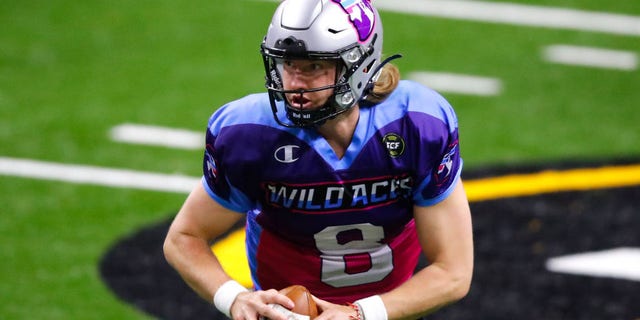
(386, 83)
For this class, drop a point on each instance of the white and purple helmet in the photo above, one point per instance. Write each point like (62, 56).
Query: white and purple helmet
(347, 31)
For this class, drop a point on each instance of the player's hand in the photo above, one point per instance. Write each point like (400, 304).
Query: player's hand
(332, 311)
(253, 305)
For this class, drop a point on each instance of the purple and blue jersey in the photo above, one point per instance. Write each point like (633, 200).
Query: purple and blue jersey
(342, 227)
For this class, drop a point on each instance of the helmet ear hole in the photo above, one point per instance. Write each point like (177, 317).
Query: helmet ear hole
(369, 66)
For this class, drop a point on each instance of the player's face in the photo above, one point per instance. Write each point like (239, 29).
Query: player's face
(308, 74)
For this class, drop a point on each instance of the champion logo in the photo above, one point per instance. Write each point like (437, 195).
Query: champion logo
(286, 154)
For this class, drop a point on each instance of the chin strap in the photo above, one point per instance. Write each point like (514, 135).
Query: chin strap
(369, 87)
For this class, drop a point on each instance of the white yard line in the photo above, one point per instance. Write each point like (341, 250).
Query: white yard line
(92, 175)
(518, 14)
(157, 136)
(458, 83)
(621, 263)
(591, 57)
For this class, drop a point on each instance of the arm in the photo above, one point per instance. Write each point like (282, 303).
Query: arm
(445, 235)
(187, 250)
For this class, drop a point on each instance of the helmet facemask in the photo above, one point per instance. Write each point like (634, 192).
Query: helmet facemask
(348, 60)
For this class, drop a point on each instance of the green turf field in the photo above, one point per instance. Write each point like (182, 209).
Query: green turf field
(72, 70)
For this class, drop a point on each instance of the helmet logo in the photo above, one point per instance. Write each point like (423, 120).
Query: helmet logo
(361, 16)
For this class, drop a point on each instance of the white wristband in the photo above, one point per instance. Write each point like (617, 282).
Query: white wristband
(226, 294)
(372, 308)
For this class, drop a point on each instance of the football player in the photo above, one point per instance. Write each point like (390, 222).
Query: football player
(344, 175)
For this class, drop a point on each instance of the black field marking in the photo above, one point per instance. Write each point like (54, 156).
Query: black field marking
(514, 237)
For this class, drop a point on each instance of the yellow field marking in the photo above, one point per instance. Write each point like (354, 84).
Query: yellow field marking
(232, 254)
(552, 181)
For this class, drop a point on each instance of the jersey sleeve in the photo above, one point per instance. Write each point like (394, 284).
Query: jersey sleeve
(440, 145)
(439, 184)
(216, 180)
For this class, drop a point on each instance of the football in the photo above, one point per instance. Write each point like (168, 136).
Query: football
(305, 307)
